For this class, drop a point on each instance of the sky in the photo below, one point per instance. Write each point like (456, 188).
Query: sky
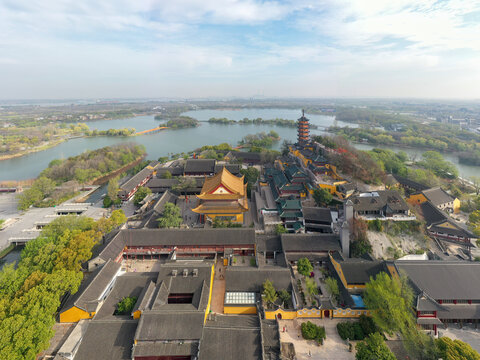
(54, 49)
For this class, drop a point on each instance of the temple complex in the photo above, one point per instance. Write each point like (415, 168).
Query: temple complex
(223, 195)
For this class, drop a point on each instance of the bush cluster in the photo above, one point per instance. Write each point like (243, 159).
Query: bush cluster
(310, 331)
(356, 330)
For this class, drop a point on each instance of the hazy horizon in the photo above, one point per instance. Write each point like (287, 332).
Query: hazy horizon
(186, 49)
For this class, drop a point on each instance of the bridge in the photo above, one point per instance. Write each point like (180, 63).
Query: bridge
(151, 131)
(21, 240)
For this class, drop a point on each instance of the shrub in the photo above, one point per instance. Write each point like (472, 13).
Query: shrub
(310, 331)
(345, 330)
(125, 306)
(367, 324)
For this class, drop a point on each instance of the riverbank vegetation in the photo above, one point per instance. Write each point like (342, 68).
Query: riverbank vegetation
(50, 267)
(380, 127)
(62, 178)
(372, 166)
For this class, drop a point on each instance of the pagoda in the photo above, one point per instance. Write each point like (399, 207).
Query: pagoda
(303, 130)
(223, 195)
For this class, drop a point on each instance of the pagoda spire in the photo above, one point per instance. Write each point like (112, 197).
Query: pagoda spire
(303, 129)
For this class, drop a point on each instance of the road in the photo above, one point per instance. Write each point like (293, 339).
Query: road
(23, 223)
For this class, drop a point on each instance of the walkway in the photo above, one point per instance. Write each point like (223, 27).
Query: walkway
(218, 291)
(333, 348)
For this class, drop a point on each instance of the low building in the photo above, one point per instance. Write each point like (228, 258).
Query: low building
(317, 219)
(383, 205)
(438, 197)
(447, 292)
(90, 296)
(315, 247)
(249, 158)
(130, 187)
(290, 212)
(199, 167)
(181, 243)
(244, 285)
(441, 226)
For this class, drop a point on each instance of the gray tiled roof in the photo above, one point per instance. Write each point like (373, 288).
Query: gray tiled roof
(126, 285)
(384, 198)
(310, 242)
(158, 326)
(177, 237)
(251, 279)
(444, 280)
(87, 298)
(359, 271)
(317, 214)
(107, 340)
(230, 344)
(200, 165)
(437, 196)
(136, 179)
(166, 349)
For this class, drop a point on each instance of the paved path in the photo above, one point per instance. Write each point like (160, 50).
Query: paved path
(24, 226)
(218, 291)
(333, 348)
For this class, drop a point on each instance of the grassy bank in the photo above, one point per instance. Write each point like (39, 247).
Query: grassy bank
(6, 251)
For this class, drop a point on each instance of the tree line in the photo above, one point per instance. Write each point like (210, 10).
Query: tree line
(49, 268)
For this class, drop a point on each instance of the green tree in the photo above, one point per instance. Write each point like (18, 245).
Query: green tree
(434, 161)
(374, 347)
(126, 305)
(251, 175)
(332, 288)
(141, 193)
(107, 202)
(167, 175)
(322, 197)
(390, 300)
(29, 197)
(304, 266)
(449, 349)
(312, 288)
(280, 229)
(112, 188)
(45, 185)
(269, 294)
(171, 217)
(285, 296)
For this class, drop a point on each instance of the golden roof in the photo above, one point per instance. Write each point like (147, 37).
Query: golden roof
(224, 178)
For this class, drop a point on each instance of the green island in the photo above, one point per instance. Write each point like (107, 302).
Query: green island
(258, 121)
(177, 122)
(260, 140)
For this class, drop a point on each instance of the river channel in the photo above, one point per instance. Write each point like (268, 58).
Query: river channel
(168, 142)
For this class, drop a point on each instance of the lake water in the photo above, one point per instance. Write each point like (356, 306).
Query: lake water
(161, 143)
(12, 256)
(168, 142)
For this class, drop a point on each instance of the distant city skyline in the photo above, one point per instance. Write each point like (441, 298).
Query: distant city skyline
(239, 48)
